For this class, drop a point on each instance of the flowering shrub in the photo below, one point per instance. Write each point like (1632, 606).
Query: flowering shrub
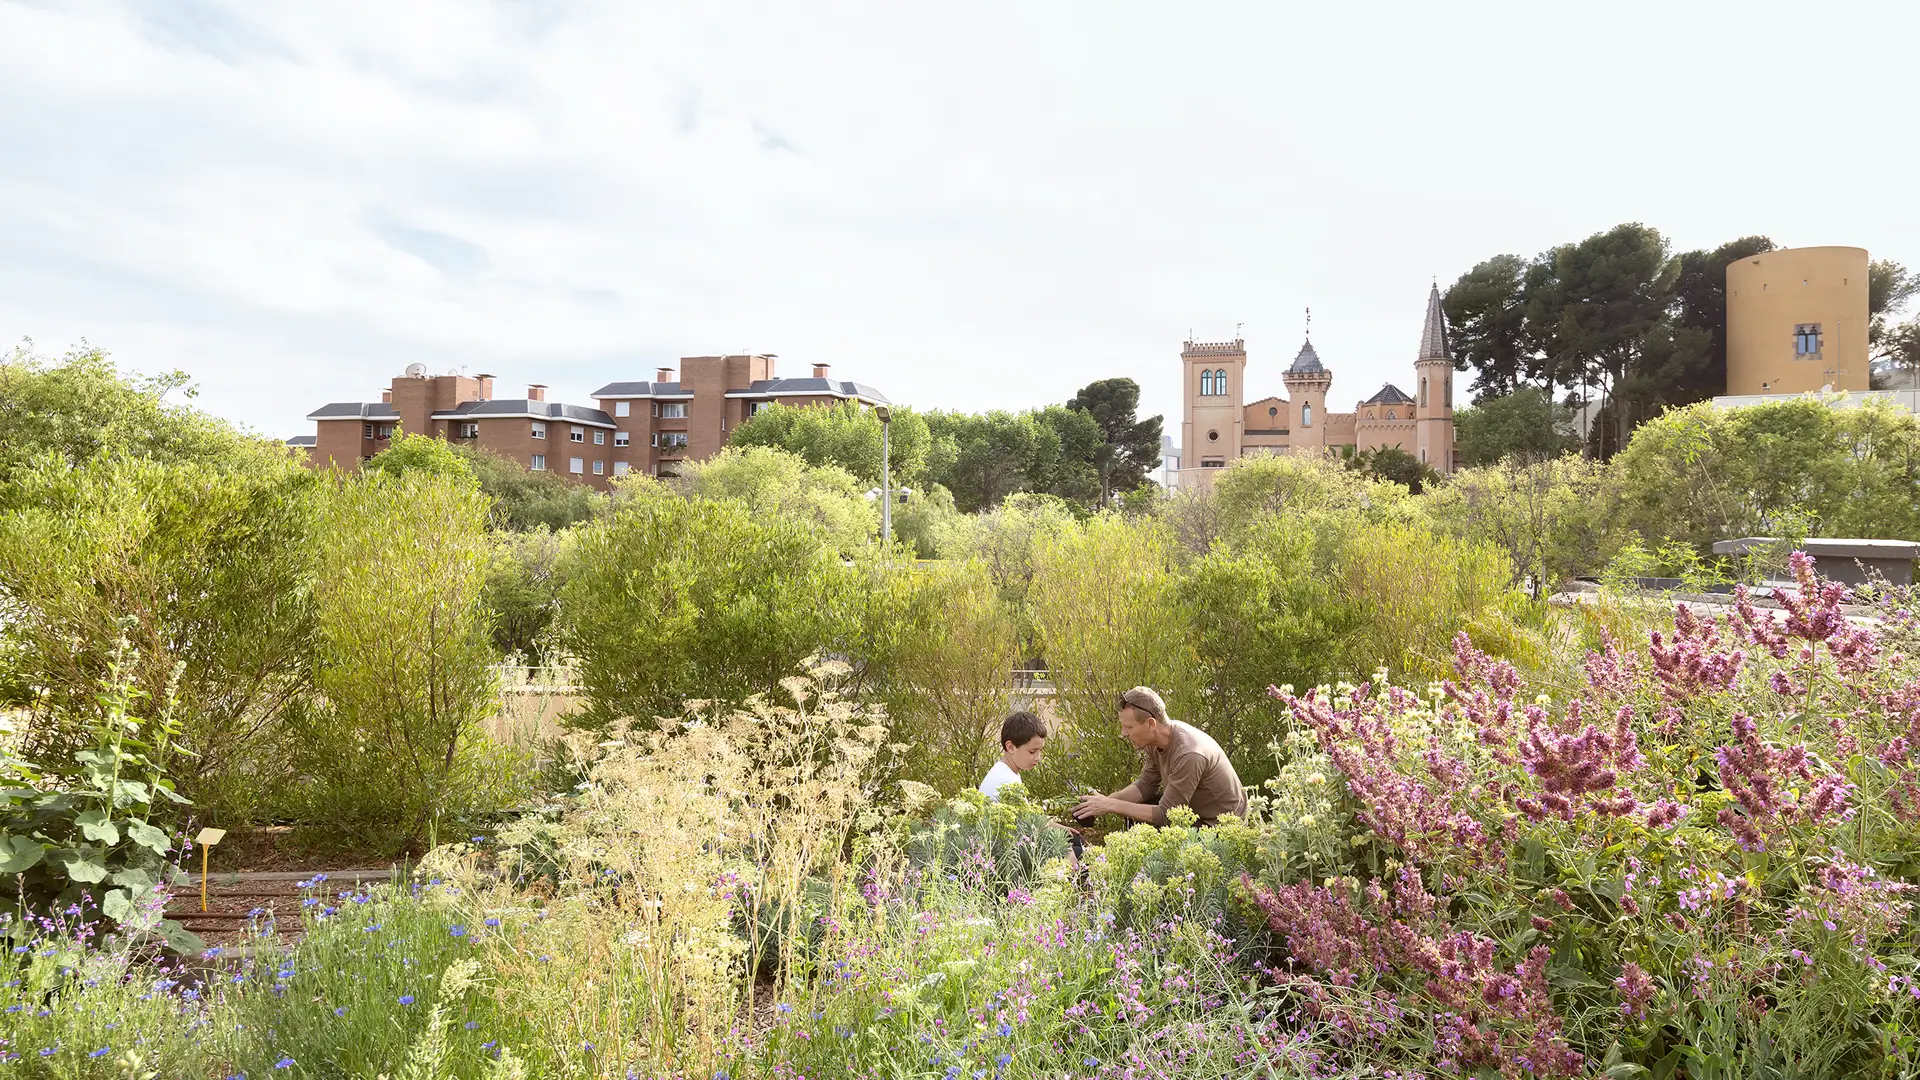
(1683, 861)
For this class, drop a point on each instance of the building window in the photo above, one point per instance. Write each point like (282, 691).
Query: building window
(1392, 415)
(673, 440)
(654, 440)
(1213, 463)
(656, 408)
(673, 410)
(1306, 414)
(539, 430)
(619, 438)
(1206, 384)
(539, 463)
(369, 431)
(622, 408)
(1423, 391)
(1806, 340)
(619, 468)
(599, 468)
(576, 465)
(578, 434)
(469, 431)
(386, 431)
(599, 438)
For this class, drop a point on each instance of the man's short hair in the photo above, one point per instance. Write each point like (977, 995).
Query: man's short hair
(1144, 699)
(1021, 728)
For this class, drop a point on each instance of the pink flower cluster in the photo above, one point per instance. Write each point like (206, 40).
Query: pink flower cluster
(1760, 779)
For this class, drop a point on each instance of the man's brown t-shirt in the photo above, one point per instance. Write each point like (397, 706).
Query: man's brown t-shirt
(1192, 771)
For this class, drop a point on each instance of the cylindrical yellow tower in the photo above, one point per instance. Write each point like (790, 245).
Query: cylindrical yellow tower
(1797, 321)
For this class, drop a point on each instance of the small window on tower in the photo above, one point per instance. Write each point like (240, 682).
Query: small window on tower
(1206, 384)
(1806, 340)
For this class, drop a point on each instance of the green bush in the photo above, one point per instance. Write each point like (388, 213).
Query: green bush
(669, 600)
(404, 662)
(206, 570)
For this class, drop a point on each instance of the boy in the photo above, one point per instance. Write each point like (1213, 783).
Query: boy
(1022, 738)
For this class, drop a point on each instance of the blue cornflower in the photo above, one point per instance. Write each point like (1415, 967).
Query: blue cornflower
(1003, 1060)
(283, 1063)
(1090, 1062)
(341, 1011)
(473, 1025)
(47, 1051)
(785, 1008)
(102, 1052)
(406, 999)
(1005, 1030)
(457, 930)
(491, 921)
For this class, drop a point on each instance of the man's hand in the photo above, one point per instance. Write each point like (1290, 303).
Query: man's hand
(1092, 806)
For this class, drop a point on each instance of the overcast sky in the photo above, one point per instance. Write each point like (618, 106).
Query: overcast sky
(970, 206)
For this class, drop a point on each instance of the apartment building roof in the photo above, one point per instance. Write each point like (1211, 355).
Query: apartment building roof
(642, 390)
(509, 408)
(810, 388)
(839, 388)
(308, 442)
(354, 410)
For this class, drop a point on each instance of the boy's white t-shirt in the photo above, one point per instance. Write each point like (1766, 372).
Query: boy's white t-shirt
(998, 777)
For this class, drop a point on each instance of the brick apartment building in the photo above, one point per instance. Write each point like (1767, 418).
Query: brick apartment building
(647, 427)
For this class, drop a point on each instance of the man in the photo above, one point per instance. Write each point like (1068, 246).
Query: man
(1182, 766)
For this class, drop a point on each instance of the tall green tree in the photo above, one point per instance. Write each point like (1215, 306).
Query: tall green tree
(80, 405)
(845, 435)
(1129, 453)
(1487, 326)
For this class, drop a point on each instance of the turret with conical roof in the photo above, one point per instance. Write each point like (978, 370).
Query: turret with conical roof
(1308, 381)
(1433, 408)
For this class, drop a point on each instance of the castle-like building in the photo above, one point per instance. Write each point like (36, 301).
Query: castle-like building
(1220, 426)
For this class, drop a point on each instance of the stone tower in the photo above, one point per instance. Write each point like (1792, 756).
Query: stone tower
(1215, 374)
(1307, 381)
(1433, 398)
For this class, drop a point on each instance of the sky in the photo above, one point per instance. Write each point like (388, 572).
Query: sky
(966, 206)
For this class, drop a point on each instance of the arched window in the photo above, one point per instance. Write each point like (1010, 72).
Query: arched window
(1392, 415)
(1306, 414)
(1446, 386)
(1423, 391)
(1220, 381)
(1206, 384)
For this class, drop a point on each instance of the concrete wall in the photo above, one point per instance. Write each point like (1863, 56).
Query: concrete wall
(1769, 294)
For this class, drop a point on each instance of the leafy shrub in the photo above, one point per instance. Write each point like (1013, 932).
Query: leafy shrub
(206, 570)
(986, 845)
(669, 600)
(393, 753)
(91, 841)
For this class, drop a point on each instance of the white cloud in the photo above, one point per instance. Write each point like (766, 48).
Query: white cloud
(967, 207)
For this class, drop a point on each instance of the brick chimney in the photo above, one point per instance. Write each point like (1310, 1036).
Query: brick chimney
(386, 396)
(486, 387)
(820, 370)
(664, 374)
(537, 392)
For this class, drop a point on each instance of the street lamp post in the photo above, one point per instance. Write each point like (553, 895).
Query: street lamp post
(886, 495)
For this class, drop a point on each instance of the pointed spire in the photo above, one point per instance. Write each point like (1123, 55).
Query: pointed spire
(1433, 336)
(1307, 362)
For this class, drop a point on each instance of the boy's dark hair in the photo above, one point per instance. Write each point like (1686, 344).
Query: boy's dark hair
(1020, 728)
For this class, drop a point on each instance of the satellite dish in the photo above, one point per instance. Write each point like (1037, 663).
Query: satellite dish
(453, 371)
(416, 371)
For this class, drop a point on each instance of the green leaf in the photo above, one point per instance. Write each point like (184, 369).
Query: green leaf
(148, 837)
(133, 877)
(96, 825)
(180, 939)
(117, 905)
(81, 866)
(18, 854)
